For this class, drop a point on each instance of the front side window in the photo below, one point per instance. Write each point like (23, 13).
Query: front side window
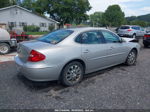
(110, 37)
(42, 24)
(56, 36)
(90, 37)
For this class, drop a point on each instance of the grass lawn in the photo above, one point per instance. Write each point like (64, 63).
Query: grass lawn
(36, 33)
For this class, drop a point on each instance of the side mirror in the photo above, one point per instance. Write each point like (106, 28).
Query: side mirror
(121, 40)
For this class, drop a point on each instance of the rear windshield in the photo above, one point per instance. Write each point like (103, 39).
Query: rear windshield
(124, 27)
(56, 36)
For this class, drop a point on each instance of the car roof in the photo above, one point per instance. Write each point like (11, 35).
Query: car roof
(82, 29)
(131, 25)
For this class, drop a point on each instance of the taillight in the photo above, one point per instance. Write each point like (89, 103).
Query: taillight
(146, 36)
(129, 30)
(36, 56)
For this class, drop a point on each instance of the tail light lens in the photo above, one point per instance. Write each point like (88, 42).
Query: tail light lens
(129, 29)
(36, 56)
(146, 36)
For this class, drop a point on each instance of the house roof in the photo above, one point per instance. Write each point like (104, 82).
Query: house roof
(1, 9)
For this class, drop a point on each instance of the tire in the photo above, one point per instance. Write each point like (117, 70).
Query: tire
(4, 48)
(69, 76)
(132, 57)
(134, 36)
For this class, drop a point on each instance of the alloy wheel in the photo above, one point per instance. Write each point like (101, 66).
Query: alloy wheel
(4, 49)
(73, 74)
(131, 58)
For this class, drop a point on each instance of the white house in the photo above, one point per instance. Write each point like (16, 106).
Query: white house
(17, 17)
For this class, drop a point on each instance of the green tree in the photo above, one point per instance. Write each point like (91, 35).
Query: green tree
(113, 16)
(4, 3)
(64, 11)
(28, 4)
(96, 19)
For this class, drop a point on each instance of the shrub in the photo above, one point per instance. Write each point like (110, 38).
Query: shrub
(51, 28)
(31, 28)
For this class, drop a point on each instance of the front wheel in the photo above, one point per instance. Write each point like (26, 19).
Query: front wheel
(72, 74)
(131, 59)
(4, 48)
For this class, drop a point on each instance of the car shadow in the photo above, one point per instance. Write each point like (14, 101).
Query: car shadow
(40, 86)
(55, 85)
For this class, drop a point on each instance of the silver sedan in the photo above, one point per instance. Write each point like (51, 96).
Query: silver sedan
(69, 54)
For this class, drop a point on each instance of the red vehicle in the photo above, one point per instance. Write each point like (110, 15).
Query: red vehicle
(146, 40)
(20, 37)
(6, 42)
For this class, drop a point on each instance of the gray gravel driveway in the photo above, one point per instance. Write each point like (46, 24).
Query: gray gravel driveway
(119, 87)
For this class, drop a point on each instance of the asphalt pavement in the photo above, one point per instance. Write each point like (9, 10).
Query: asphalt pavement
(119, 87)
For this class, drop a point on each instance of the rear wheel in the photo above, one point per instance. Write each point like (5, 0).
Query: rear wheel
(131, 59)
(4, 48)
(72, 74)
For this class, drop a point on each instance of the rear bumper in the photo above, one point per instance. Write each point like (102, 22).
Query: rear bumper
(146, 42)
(37, 74)
(125, 34)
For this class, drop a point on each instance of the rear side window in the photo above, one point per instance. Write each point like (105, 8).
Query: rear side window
(56, 36)
(124, 27)
(90, 37)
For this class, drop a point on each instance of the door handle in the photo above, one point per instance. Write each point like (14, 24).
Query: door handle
(86, 51)
(111, 48)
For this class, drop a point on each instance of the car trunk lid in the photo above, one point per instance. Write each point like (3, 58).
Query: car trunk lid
(25, 48)
(124, 30)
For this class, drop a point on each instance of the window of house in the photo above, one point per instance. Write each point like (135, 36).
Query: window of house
(12, 24)
(22, 24)
(42, 24)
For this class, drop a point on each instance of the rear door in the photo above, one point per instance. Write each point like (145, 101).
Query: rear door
(117, 50)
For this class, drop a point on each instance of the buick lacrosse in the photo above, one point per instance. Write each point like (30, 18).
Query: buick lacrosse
(69, 54)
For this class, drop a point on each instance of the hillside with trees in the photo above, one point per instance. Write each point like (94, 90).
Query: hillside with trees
(143, 20)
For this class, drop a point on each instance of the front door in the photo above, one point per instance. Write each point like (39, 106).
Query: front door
(117, 50)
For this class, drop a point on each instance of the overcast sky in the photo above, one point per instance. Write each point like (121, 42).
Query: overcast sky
(130, 7)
